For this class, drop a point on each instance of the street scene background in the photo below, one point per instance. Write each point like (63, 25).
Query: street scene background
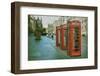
(42, 37)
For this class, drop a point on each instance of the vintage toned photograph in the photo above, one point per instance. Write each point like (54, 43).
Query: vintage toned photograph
(57, 37)
(53, 37)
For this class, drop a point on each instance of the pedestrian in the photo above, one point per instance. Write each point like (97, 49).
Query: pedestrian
(52, 35)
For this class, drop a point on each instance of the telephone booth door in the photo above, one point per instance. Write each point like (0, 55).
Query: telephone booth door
(74, 40)
(58, 40)
(63, 37)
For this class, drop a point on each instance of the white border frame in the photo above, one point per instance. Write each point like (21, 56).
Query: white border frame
(25, 64)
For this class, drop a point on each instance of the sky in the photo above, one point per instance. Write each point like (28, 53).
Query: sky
(47, 19)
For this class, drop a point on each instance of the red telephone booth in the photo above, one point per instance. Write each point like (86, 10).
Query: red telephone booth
(63, 36)
(58, 41)
(74, 38)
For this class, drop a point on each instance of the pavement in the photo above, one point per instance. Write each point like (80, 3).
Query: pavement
(45, 49)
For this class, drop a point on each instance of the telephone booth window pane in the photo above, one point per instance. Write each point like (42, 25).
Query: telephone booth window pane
(65, 37)
(59, 36)
(76, 38)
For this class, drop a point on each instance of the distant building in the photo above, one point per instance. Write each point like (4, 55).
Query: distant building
(50, 28)
(34, 24)
(39, 23)
(31, 23)
(55, 24)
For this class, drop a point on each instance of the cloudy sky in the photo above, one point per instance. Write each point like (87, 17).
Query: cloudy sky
(47, 19)
(50, 19)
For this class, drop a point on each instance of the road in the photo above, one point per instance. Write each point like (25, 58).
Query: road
(45, 49)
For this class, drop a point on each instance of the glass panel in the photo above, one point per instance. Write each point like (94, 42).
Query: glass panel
(59, 36)
(76, 38)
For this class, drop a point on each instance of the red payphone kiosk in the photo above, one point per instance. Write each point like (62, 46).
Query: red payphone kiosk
(58, 41)
(63, 37)
(74, 38)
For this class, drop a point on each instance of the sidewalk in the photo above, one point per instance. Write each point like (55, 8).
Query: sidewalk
(45, 49)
